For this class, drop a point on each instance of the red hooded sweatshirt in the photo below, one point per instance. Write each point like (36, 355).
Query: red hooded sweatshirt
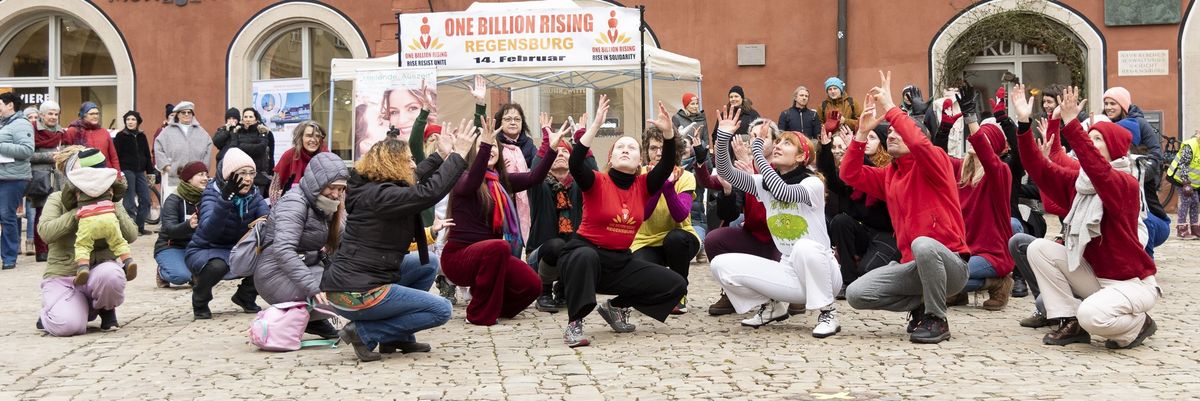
(920, 190)
(1055, 178)
(985, 208)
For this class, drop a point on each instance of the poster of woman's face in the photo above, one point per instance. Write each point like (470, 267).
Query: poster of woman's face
(390, 98)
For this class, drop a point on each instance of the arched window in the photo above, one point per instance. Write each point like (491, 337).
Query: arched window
(305, 51)
(1035, 68)
(62, 58)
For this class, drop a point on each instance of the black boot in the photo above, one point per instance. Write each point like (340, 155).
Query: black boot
(205, 279)
(545, 302)
(348, 334)
(321, 328)
(245, 295)
(41, 257)
(108, 319)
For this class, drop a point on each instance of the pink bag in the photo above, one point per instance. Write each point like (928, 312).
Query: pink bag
(280, 327)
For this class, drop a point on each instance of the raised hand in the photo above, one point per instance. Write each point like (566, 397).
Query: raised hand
(883, 92)
(744, 165)
(948, 114)
(1022, 106)
(479, 90)
(424, 96)
(663, 122)
(727, 121)
(555, 136)
(740, 150)
(546, 121)
(826, 136)
(594, 127)
(867, 121)
(846, 134)
(1047, 141)
(1070, 103)
(465, 140)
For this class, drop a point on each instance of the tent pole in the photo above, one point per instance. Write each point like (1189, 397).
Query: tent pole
(329, 125)
(642, 48)
(399, 46)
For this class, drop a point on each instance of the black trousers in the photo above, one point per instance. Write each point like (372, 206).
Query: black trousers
(210, 275)
(853, 239)
(676, 252)
(547, 265)
(588, 270)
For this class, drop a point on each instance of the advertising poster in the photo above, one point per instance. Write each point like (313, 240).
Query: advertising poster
(283, 104)
(389, 98)
(521, 38)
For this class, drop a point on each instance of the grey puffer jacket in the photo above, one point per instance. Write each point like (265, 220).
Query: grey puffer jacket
(290, 268)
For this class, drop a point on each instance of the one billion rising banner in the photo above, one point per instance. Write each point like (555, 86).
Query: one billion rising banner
(520, 38)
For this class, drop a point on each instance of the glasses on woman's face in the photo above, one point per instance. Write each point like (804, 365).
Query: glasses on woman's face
(245, 173)
(514, 120)
(186, 112)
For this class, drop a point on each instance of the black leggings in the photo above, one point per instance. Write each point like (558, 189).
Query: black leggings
(853, 239)
(676, 252)
(210, 275)
(588, 270)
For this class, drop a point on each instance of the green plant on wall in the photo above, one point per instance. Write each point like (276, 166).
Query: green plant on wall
(1024, 25)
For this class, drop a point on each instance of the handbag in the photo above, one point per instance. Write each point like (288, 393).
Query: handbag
(41, 183)
(243, 258)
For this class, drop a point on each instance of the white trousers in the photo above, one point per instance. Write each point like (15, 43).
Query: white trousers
(810, 275)
(1113, 309)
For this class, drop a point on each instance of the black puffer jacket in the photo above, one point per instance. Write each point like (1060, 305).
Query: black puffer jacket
(257, 141)
(383, 218)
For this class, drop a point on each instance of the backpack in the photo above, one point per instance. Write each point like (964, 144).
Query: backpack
(280, 328)
(243, 258)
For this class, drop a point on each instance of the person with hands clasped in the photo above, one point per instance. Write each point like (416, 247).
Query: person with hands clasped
(366, 283)
(1103, 259)
(807, 272)
(598, 259)
(228, 206)
(922, 197)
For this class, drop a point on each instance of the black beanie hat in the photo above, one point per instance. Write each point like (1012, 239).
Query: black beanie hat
(170, 109)
(133, 113)
(233, 113)
(738, 89)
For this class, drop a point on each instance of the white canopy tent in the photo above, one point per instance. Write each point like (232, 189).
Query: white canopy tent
(661, 67)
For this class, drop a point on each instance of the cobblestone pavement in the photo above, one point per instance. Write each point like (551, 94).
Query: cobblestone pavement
(160, 353)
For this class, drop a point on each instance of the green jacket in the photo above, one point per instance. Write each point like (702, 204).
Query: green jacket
(58, 227)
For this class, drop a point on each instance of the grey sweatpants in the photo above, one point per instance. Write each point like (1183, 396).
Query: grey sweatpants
(902, 287)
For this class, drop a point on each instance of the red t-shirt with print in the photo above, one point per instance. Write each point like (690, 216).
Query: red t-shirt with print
(611, 215)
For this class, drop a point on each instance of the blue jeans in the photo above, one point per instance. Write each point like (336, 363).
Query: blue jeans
(701, 231)
(12, 193)
(30, 216)
(978, 269)
(415, 275)
(1159, 229)
(171, 266)
(139, 207)
(404, 311)
(1017, 227)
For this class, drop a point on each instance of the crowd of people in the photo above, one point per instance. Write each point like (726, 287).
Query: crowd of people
(861, 202)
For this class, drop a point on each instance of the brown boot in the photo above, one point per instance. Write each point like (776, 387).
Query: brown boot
(1183, 231)
(722, 307)
(958, 299)
(1195, 231)
(999, 289)
(1068, 332)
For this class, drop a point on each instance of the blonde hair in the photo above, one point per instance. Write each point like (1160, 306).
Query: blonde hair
(388, 160)
(972, 171)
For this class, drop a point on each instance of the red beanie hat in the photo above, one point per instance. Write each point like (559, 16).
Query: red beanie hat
(191, 169)
(1116, 138)
(432, 129)
(994, 136)
(687, 98)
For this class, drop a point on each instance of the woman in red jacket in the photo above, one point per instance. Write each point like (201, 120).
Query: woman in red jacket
(484, 245)
(1108, 268)
(87, 131)
(598, 259)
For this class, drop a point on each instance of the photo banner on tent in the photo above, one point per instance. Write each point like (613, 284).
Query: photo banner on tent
(389, 98)
(283, 104)
(521, 38)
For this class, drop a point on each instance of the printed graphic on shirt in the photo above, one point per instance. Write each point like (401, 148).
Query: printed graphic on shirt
(786, 225)
(623, 223)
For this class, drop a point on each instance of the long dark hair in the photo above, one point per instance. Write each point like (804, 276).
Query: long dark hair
(485, 197)
(504, 108)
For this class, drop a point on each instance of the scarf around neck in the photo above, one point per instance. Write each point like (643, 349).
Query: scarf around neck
(504, 213)
(189, 192)
(291, 166)
(562, 202)
(1083, 221)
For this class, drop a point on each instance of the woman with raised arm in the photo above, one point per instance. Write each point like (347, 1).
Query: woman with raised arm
(484, 245)
(598, 259)
(794, 197)
(1103, 259)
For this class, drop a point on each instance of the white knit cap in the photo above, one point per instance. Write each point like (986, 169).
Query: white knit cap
(185, 105)
(234, 159)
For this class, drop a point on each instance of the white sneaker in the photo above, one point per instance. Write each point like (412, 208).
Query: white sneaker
(773, 311)
(827, 324)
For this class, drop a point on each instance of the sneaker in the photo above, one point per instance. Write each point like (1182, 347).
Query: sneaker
(466, 293)
(914, 318)
(545, 303)
(81, 274)
(616, 317)
(405, 347)
(446, 289)
(827, 324)
(10, 267)
(130, 269)
(108, 319)
(1020, 289)
(573, 335)
(29, 247)
(932, 330)
(349, 335)
(1148, 330)
(769, 312)
(1068, 332)
(1036, 320)
(722, 307)
(681, 308)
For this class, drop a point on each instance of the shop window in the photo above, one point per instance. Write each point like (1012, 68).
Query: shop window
(60, 57)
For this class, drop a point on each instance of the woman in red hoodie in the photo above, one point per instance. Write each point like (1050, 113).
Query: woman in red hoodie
(87, 131)
(1103, 260)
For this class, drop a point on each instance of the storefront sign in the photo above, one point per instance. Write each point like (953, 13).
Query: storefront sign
(521, 38)
(1133, 63)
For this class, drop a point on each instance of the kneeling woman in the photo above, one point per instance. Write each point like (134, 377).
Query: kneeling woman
(794, 197)
(227, 207)
(485, 242)
(365, 282)
(598, 259)
(303, 227)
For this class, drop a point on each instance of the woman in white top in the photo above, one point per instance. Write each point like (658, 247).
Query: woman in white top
(794, 197)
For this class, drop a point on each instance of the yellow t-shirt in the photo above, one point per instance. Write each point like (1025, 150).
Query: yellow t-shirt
(656, 226)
